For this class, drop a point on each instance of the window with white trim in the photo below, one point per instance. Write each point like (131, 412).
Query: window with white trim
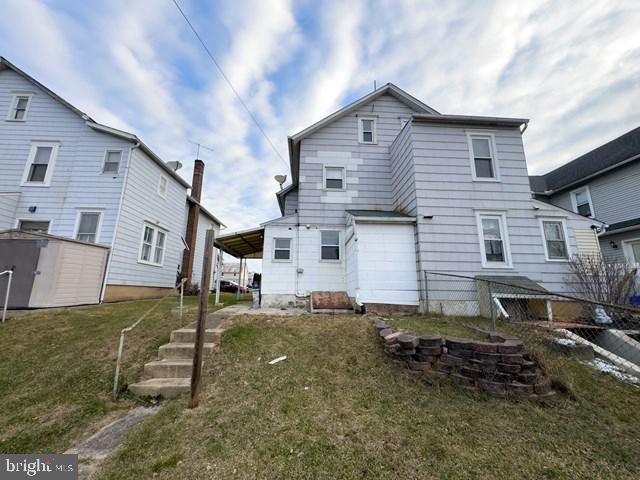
(34, 226)
(153, 245)
(367, 130)
(329, 245)
(19, 108)
(112, 162)
(334, 178)
(163, 185)
(494, 244)
(555, 241)
(631, 249)
(282, 249)
(483, 158)
(40, 163)
(581, 201)
(88, 226)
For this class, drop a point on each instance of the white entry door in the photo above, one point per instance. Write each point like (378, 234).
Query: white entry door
(387, 270)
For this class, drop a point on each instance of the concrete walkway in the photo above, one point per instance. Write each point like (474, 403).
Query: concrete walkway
(96, 448)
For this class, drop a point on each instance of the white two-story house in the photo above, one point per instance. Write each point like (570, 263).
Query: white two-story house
(64, 174)
(388, 188)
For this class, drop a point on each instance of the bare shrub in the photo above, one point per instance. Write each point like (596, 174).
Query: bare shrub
(601, 279)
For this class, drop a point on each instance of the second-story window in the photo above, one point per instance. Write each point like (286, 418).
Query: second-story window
(367, 130)
(581, 200)
(163, 185)
(40, 164)
(112, 162)
(484, 164)
(334, 178)
(19, 108)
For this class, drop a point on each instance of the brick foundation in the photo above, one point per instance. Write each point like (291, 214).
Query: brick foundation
(500, 366)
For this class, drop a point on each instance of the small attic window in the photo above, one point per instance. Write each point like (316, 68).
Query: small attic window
(367, 130)
(19, 108)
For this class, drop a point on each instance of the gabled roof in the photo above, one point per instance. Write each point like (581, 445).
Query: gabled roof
(613, 154)
(7, 65)
(282, 194)
(388, 89)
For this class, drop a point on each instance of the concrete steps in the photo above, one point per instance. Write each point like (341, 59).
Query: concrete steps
(161, 387)
(170, 375)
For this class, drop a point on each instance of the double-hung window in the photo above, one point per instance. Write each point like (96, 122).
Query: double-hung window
(494, 241)
(581, 201)
(555, 240)
(153, 245)
(484, 164)
(367, 130)
(40, 163)
(282, 249)
(88, 226)
(330, 245)
(19, 108)
(334, 178)
(112, 162)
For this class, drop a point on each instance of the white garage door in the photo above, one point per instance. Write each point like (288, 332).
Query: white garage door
(387, 264)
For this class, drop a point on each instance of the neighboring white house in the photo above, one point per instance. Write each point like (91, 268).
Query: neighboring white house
(387, 188)
(231, 271)
(65, 174)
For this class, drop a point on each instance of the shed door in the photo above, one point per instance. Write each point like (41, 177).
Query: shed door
(387, 268)
(22, 257)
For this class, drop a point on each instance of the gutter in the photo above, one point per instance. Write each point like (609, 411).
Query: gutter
(117, 224)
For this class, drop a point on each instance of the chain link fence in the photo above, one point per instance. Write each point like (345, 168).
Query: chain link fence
(606, 335)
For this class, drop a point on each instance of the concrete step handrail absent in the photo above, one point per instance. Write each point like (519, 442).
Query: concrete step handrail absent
(124, 331)
(6, 295)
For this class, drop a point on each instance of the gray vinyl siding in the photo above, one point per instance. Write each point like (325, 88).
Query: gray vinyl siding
(403, 176)
(77, 181)
(369, 185)
(616, 253)
(449, 242)
(291, 202)
(615, 195)
(142, 203)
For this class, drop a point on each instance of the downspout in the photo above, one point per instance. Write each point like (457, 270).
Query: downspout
(117, 224)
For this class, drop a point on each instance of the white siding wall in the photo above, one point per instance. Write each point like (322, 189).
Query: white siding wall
(449, 242)
(142, 203)
(204, 224)
(369, 177)
(77, 180)
(291, 203)
(279, 277)
(351, 261)
(8, 205)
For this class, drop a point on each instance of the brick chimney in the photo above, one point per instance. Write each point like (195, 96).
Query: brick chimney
(192, 221)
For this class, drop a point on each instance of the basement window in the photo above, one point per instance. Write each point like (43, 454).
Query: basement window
(282, 249)
(330, 245)
(34, 226)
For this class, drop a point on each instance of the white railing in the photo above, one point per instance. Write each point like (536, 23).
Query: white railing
(6, 295)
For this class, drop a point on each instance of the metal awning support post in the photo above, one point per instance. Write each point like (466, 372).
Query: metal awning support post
(218, 275)
(6, 295)
(239, 279)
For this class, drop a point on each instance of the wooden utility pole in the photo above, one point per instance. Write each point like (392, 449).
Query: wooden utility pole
(205, 281)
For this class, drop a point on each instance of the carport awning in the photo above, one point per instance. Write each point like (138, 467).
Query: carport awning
(242, 244)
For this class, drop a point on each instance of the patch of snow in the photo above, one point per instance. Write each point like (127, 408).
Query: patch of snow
(602, 316)
(610, 368)
(565, 341)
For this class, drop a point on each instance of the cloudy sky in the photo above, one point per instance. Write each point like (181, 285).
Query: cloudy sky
(573, 68)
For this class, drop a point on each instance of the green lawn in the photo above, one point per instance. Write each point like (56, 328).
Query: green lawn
(339, 408)
(57, 369)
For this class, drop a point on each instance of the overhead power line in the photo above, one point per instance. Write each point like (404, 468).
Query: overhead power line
(233, 89)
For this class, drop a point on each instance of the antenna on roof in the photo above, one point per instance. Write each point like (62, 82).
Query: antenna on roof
(198, 145)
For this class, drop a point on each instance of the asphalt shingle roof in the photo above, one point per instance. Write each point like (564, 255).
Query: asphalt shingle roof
(601, 158)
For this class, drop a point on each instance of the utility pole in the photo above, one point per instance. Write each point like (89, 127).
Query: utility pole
(205, 281)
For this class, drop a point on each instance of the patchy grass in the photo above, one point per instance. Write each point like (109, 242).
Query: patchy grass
(57, 369)
(338, 408)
